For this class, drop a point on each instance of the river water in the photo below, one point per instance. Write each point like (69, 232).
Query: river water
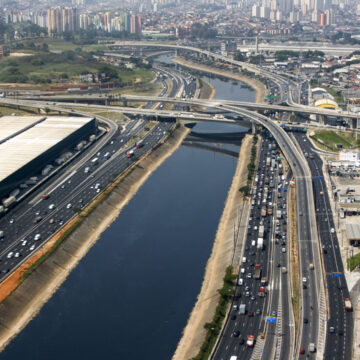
(130, 296)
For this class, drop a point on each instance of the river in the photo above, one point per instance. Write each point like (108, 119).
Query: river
(130, 296)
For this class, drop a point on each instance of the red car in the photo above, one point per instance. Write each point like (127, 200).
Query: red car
(302, 351)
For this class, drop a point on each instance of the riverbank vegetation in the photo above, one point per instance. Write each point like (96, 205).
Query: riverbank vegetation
(336, 140)
(246, 189)
(214, 327)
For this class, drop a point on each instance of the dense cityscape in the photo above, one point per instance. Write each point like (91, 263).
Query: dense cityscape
(180, 180)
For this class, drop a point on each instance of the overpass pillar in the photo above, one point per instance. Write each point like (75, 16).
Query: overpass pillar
(354, 123)
(176, 52)
(322, 119)
(125, 103)
(253, 128)
(141, 52)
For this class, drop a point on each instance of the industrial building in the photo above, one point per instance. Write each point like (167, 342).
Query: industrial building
(30, 143)
(353, 233)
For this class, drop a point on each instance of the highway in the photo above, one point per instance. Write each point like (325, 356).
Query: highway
(298, 109)
(339, 344)
(271, 259)
(73, 188)
(307, 232)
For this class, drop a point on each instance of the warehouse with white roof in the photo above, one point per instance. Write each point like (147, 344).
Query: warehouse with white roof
(28, 143)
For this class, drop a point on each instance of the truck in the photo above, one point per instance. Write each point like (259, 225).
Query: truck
(262, 290)
(130, 153)
(270, 210)
(348, 306)
(260, 243)
(264, 281)
(263, 211)
(139, 144)
(242, 309)
(1, 234)
(261, 231)
(9, 201)
(250, 341)
(268, 161)
(257, 272)
(278, 214)
(311, 347)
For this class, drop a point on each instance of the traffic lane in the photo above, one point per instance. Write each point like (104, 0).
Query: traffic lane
(41, 228)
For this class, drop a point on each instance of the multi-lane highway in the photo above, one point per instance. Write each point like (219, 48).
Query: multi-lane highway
(267, 221)
(339, 322)
(32, 222)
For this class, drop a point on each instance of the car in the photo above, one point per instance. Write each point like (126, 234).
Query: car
(235, 307)
(61, 223)
(253, 298)
(241, 282)
(332, 230)
(300, 213)
(12, 221)
(250, 314)
(302, 351)
(249, 275)
(306, 320)
(247, 288)
(23, 242)
(51, 206)
(247, 293)
(274, 313)
(236, 333)
(242, 270)
(258, 312)
(283, 250)
(10, 255)
(37, 237)
(17, 254)
(331, 330)
(242, 341)
(233, 317)
(51, 221)
(304, 280)
(68, 206)
(341, 333)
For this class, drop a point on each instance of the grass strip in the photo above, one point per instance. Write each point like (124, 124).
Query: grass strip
(214, 327)
(353, 262)
(251, 168)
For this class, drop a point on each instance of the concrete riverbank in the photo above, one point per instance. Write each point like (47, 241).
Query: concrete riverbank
(221, 257)
(22, 300)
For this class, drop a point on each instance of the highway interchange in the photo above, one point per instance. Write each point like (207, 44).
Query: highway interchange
(77, 189)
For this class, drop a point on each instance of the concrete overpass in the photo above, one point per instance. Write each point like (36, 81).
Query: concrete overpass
(305, 206)
(351, 118)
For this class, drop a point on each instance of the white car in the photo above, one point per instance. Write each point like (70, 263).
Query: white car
(17, 254)
(242, 270)
(10, 255)
(24, 242)
(304, 280)
(32, 247)
(37, 237)
(332, 230)
(68, 206)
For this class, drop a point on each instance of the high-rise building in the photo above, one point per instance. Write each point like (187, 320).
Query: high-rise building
(135, 25)
(126, 21)
(255, 11)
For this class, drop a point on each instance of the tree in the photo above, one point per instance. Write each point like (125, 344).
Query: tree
(239, 56)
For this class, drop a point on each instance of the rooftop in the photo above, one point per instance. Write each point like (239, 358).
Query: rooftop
(353, 231)
(32, 142)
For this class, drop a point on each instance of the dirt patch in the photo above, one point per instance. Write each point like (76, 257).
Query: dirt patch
(221, 257)
(25, 300)
(254, 83)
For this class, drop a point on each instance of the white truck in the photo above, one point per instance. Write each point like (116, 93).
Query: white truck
(260, 243)
(278, 214)
(261, 231)
(242, 309)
